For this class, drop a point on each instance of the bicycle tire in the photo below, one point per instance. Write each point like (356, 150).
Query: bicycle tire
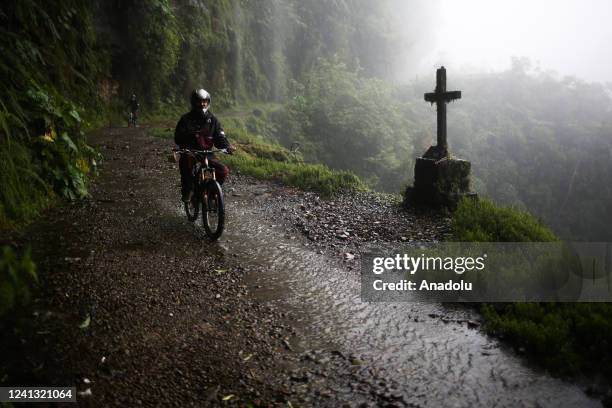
(211, 213)
(192, 208)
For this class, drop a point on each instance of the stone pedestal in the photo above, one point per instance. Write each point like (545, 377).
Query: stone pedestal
(439, 182)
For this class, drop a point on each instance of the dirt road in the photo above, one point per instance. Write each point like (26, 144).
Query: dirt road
(139, 308)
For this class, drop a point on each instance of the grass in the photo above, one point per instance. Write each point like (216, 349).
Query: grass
(566, 338)
(483, 221)
(313, 177)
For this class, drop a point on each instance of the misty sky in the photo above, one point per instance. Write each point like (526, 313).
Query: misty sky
(571, 37)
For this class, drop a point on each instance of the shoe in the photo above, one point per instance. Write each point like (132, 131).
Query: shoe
(187, 196)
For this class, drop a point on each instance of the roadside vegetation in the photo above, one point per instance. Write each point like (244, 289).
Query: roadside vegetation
(566, 338)
(484, 221)
(43, 154)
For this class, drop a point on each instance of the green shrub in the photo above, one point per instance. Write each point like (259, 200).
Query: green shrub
(47, 158)
(566, 338)
(483, 221)
(47, 79)
(348, 121)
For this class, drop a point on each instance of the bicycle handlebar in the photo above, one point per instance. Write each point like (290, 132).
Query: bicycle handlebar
(201, 151)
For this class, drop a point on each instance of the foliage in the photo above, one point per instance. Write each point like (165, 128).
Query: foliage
(45, 80)
(17, 276)
(349, 122)
(237, 49)
(483, 221)
(144, 44)
(567, 338)
(259, 157)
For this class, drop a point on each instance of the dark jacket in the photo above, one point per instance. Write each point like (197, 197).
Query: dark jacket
(197, 130)
(133, 105)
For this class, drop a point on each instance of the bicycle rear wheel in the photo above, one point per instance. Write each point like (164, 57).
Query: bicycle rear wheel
(213, 210)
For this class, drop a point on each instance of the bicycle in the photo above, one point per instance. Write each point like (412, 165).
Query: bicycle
(207, 193)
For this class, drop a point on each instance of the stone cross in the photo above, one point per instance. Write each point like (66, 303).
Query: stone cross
(440, 97)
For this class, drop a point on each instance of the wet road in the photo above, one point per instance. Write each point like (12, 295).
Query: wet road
(426, 350)
(176, 327)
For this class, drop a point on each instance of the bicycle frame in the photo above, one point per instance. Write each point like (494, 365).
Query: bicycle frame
(205, 171)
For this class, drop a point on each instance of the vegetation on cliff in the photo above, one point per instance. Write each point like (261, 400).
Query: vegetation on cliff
(567, 338)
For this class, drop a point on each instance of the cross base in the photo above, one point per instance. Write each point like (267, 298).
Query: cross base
(439, 182)
(436, 153)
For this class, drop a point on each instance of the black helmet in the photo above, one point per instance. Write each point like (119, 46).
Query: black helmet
(199, 95)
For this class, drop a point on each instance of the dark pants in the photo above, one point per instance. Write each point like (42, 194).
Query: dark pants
(186, 167)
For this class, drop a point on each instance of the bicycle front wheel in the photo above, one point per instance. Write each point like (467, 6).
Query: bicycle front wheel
(192, 208)
(213, 211)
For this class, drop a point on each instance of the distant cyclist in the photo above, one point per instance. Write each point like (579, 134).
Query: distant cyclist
(133, 107)
(199, 129)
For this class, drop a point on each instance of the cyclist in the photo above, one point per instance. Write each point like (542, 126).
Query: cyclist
(199, 129)
(133, 106)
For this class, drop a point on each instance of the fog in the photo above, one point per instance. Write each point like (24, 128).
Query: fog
(570, 37)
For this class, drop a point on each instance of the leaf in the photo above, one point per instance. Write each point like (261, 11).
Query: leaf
(75, 115)
(85, 323)
(69, 142)
(228, 397)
